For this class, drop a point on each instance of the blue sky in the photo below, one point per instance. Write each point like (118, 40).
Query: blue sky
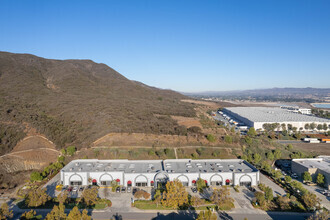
(186, 46)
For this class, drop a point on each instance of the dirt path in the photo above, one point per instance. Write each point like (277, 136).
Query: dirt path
(29, 150)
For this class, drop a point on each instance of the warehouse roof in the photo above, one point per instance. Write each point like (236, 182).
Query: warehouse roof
(152, 166)
(273, 114)
(320, 163)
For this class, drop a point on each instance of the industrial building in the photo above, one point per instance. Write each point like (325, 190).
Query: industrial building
(257, 116)
(151, 173)
(314, 166)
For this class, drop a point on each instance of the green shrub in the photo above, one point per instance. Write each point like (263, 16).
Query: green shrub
(35, 176)
(210, 138)
(71, 150)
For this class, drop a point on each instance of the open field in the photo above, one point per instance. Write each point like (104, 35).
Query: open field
(317, 148)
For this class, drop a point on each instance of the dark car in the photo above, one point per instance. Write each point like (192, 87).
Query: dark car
(81, 188)
(123, 189)
(118, 189)
(70, 189)
(194, 190)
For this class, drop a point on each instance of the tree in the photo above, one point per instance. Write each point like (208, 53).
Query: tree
(307, 126)
(61, 159)
(325, 126)
(260, 198)
(251, 132)
(312, 126)
(220, 196)
(228, 139)
(319, 127)
(196, 201)
(257, 158)
(35, 176)
(85, 216)
(74, 214)
(71, 150)
(207, 215)
(265, 166)
(289, 127)
(210, 138)
(270, 156)
(201, 185)
(287, 179)
(175, 194)
(277, 174)
(289, 147)
(62, 197)
(36, 197)
(30, 215)
(277, 154)
(320, 179)
(5, 213)
(307, 177)
(311, 201)
(57, 213)
(269, 194)
(158, 197)
(283, 126)
(89, 196)
(283, 202)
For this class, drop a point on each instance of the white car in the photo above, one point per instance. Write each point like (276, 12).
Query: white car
(75, 189)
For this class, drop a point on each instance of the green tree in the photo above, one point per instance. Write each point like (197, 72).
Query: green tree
(74, 214)
(257, 158)
(36, 197)
(306, 126)
(61, 159)
(252, 132)
(269, 194)
(57, 213)
(270, 156)
(260, 198)
(289, 147)
(312, 126)
(175, 195)
(71, 150)
(277, 174)
(35, 176)
(200, 184)
(277, 154)
(319, 127)
(287, 179)
(311, 201)
(307, 177)
(5, 213)
(325, 126)
(196, 201)
(320, 179)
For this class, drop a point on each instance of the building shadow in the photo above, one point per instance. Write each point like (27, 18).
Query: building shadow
(182, 214)
(51, 189)
(224, 216)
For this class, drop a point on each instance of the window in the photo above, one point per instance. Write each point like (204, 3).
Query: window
(216, 183)
(141, 184)
(105, 183)
(75, 183)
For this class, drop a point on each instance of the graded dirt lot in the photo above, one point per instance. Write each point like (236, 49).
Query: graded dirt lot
(317, 148)
(187, 121)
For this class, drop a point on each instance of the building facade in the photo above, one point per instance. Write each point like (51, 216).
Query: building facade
(314, 166)
(151, 173)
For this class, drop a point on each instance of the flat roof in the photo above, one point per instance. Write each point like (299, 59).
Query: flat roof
(274, 114)
(322, 163)
(207, 166)
(154, 166)
(126, 166)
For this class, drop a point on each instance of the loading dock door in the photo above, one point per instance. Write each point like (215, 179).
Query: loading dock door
(245, 181)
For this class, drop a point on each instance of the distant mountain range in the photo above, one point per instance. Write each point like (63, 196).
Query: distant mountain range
(74, 102)
(295, 94)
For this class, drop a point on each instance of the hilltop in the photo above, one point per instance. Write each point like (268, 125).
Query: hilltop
(75, 102)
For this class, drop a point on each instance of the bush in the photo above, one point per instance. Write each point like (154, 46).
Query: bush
(228, 139)
(210, 138)
(35, 176)
(71, 150)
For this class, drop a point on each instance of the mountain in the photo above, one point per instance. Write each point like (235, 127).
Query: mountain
(293, 94)
(74, 102)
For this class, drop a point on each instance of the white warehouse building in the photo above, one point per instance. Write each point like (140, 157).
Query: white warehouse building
(258, 116)
(150, 173)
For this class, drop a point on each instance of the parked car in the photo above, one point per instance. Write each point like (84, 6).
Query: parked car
(194, 190)
(70, 189)
(294, 175)
(123, 189)
(135, 190)
(118, 189)
(252, 189)
(64, 188)
(324, 191)
(129, 189)
(81, 188)
(75, 189)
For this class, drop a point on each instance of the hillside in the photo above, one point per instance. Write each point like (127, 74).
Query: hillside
(75, 102)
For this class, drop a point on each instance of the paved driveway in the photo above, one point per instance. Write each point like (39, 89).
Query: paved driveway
(277, 190)
(325, 201)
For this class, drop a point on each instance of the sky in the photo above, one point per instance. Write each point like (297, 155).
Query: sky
(187, 46)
